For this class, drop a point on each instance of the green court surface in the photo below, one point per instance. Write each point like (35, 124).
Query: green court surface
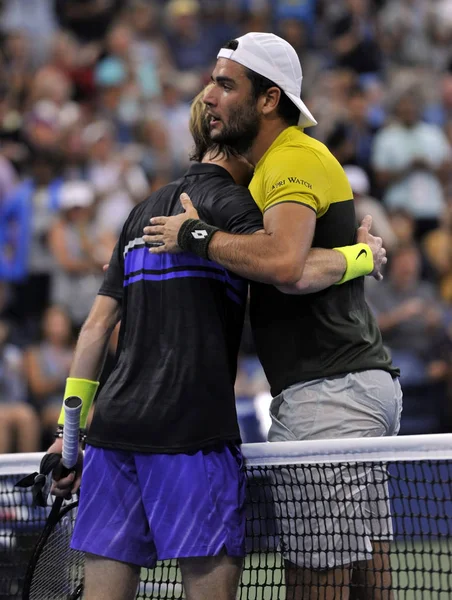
(422, 570)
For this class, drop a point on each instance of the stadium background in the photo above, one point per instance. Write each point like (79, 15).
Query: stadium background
(94, 106)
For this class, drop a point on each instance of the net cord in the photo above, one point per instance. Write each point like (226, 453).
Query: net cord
(350, 450)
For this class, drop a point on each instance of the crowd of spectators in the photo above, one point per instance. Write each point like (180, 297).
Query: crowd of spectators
(94, 104)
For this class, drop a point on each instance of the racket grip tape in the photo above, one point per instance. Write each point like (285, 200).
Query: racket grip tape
(72, 410)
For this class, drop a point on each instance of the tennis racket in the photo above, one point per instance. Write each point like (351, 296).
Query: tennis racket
(55, 571)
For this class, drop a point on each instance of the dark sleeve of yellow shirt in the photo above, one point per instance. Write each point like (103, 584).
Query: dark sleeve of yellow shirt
(292, 175)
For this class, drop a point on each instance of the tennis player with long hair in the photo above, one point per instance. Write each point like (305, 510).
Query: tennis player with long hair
(330, 375)
(162, 475)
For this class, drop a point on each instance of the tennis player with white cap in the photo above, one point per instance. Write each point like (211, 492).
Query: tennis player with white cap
(323, 355)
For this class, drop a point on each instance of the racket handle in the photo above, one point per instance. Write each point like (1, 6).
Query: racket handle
(72, 410)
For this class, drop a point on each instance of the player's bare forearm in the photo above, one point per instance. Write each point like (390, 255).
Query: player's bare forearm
(274, 255)
(259, 257)
(92, 344)
(277, 255)
(323, 268)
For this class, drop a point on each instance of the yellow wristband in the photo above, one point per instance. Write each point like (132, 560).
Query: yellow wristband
(360, 261)
(84, 389)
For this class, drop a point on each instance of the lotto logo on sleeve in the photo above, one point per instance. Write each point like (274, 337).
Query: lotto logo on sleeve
(199, 234)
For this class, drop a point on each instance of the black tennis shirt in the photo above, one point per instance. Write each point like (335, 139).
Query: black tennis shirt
(172, 389)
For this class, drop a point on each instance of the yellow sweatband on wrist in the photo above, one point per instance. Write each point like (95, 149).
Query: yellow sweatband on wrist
(360, 261)
(84, 389)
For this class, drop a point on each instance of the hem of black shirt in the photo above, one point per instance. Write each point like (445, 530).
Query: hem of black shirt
(110, 294)
(148, 449)
(276, 390)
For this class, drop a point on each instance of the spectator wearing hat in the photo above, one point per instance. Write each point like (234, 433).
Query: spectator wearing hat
(117, 178)
(118, 99)
(78, 251)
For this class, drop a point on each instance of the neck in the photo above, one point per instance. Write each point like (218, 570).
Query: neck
(210, 159)
(264, 139)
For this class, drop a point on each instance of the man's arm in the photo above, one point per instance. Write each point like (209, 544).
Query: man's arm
(281, 255)
(276, 256)
(92, 345)
(323, 268)
(87, 364)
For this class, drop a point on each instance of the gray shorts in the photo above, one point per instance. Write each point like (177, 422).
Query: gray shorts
(329, 514)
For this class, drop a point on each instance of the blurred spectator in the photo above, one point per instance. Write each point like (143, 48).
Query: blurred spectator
(361, 131)
(411, 158)
(8, 180)
(437, 245)
(340, 143)
(118, 180)
(366, 205)
(17, 332)
(354, 38)
(19, 424)
(440, 113)
(24, 225)
(412, 319)
(142, 72)
(12, 140)
(329, 100)
(17, 59)
(88, 20)
(35, 19)
(42, 126)
(192, 46)
(79, 251)
(251, 379)
(406, 32)
(76, 62)
(148, 44)
(175, 114)
(47, 365)
(403, 225)
(117, 100)
(252, 398)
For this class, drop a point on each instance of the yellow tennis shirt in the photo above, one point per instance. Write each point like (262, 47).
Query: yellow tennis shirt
(332, 332)
(298, 168)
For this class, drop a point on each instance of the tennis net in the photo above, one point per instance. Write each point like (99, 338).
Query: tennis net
(381, 504)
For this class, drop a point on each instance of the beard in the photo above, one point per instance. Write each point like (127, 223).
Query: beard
(241, 131)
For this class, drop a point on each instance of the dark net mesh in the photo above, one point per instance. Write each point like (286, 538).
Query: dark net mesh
(58, 572)
(305, 525)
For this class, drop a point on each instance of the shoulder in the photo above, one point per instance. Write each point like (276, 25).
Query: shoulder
(227, 199)
(299, 150)
(231, 190)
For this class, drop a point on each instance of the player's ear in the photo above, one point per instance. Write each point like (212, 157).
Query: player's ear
(270, 100)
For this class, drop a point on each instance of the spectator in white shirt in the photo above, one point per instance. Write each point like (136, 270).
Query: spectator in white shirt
(411, 159)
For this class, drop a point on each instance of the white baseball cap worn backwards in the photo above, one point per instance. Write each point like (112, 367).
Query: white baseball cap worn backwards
(273, 58)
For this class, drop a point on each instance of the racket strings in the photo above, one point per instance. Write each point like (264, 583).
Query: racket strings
(59, 570)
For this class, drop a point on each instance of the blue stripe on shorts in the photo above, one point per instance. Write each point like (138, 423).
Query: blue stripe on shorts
(137, 508)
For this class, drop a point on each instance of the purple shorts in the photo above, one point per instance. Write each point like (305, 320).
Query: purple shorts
(139, 508)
